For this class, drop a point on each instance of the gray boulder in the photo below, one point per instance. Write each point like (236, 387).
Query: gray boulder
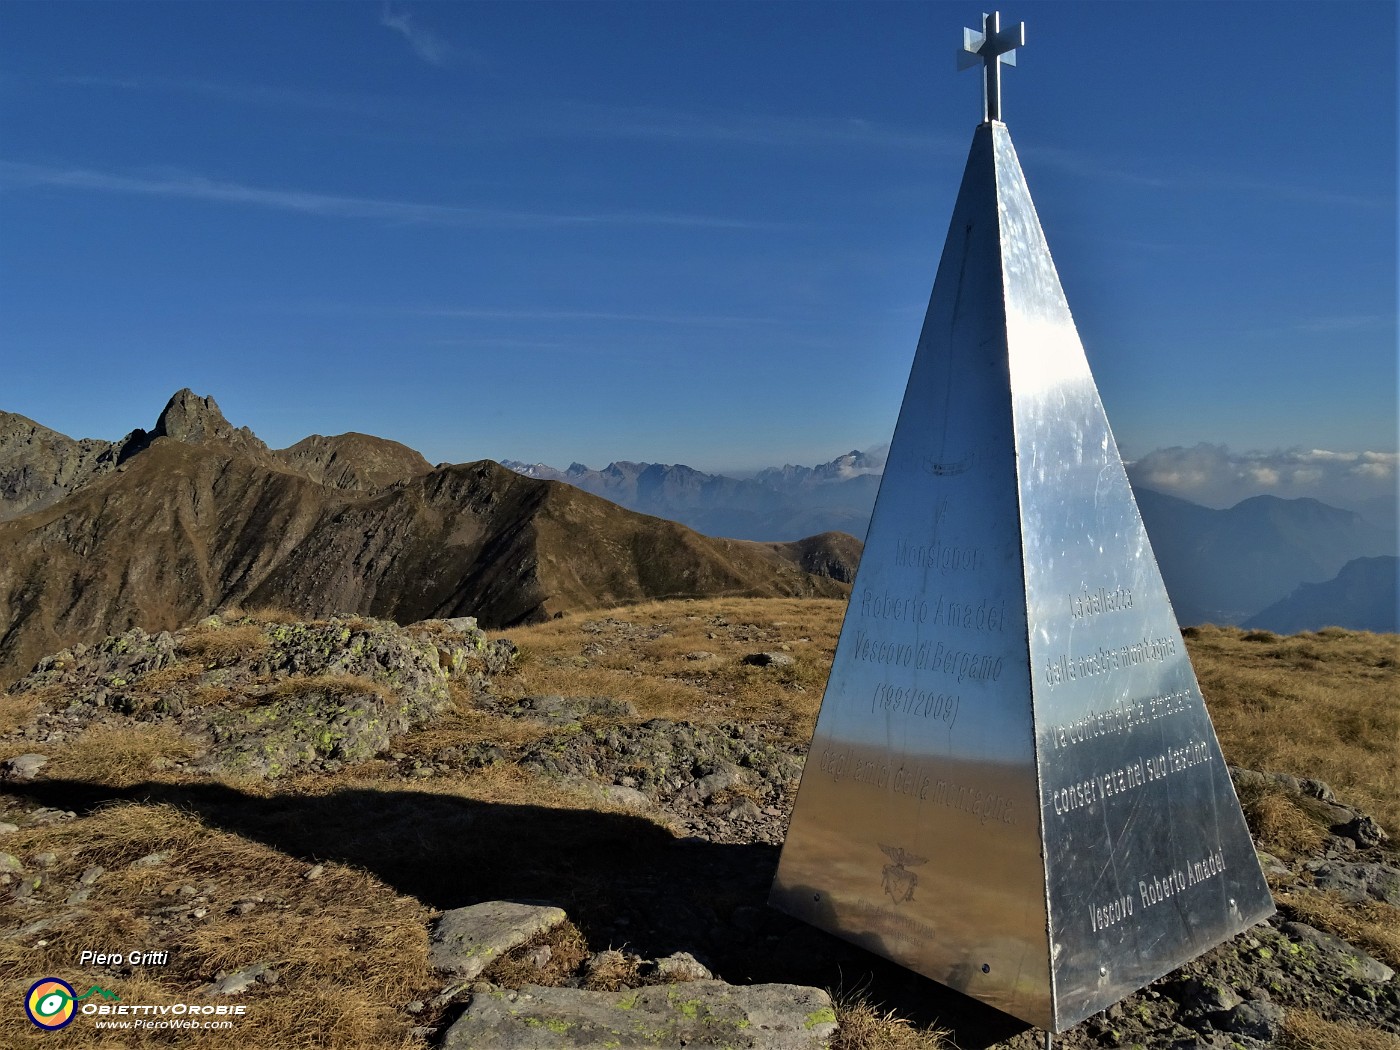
(24, 767)
(768, 659)
(1357, 881)
(1355, 961)
(465, 941)
(699, 1015)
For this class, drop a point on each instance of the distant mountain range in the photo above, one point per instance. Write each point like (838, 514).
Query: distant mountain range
(777, 503)
(1220, 566)
(1362, 594)
(163, 527)
(1227, 566)
(167, 525)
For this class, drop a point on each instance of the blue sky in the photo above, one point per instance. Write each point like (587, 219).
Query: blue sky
(699, 233)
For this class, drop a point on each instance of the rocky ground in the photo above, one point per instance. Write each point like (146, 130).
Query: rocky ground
(555, 870)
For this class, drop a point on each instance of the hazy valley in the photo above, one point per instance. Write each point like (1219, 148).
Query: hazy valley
(1282, 564)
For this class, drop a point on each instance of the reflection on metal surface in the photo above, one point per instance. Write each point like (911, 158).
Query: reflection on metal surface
(1014, 787)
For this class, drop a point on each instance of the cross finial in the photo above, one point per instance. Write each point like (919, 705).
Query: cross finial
(992, 47)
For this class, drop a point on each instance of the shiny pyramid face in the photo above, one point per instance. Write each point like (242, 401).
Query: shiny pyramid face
(1014, 787)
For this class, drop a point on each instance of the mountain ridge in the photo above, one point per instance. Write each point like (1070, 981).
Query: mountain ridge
(168, 530)
(1220, 565)
(1364, 593)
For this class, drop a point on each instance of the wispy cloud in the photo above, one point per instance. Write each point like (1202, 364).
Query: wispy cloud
(570, 119)
(1217, 476)
(272, 97)
(1348, 323)
(426, 44)
(593, 120)
(1197, 180)
(593, 315)
(195, 187)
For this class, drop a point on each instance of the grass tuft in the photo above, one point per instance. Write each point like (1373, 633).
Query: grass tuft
(1305, 1030)
(216, 646)
(864, 1027)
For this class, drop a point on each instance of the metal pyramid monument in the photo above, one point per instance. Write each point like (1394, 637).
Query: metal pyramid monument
(1014, 787)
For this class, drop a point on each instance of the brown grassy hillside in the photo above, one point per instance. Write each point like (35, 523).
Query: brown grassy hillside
(331, 876)
(199, 516)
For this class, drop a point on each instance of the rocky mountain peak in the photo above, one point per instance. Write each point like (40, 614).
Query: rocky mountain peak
(198, 420)
(193, 419)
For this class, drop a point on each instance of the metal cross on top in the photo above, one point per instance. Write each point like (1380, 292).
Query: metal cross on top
(992, 47)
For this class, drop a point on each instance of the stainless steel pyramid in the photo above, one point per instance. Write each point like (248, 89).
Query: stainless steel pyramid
(1014, 787)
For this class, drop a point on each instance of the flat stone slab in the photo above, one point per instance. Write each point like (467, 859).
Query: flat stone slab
(1358, 881)
(697, 1015)
(467, 940)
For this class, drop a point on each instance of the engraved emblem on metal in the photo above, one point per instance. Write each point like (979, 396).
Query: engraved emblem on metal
(895, 878)
(1011, 703)
(947, 469)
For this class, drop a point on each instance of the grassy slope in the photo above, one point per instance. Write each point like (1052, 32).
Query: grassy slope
(350, 946)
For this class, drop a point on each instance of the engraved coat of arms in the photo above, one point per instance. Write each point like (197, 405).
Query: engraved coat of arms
(898, 881)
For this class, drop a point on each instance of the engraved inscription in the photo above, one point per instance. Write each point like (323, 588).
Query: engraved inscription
(1089, 604)
(884, 606)
(1102, 916)
(962, 664)
(913, 782)
(1155, 888)
(1165, 885)
(915, 702)
(983, 615)
(946, 559)
(1126, 778)
(1103, 661)
(884, 919)
(1121, 718)
(984, 805)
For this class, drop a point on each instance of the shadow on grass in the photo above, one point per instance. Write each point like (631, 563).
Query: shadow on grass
(623, 880)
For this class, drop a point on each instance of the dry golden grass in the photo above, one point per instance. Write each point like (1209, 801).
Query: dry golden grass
(330, 684)
(17, 711)
(864, 1027)
(260, 613)
(1319, 705)
(351, 951)
(474, 727)
(614, 969)
(220, 645)
(1374, 925)
(167, 678)
(347, 950)
(1281, 824)
(568, 950)
(118, 755)
(650, 664)
(1305, 1030)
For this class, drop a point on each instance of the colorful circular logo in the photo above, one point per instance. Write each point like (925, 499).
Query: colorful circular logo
(50, 1003)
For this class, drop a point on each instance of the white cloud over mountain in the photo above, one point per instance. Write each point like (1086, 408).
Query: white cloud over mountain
(1218, 477)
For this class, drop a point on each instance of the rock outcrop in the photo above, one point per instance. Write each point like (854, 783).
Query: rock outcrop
(264, 698)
